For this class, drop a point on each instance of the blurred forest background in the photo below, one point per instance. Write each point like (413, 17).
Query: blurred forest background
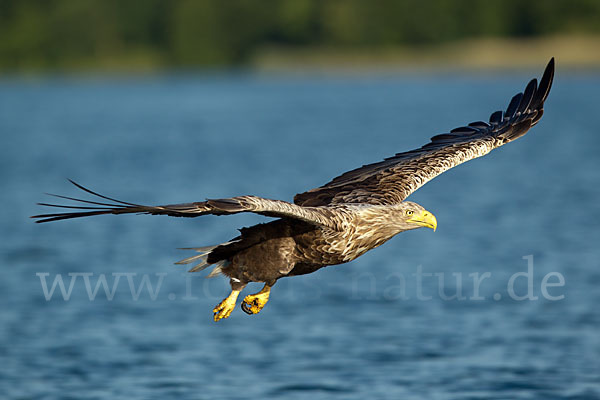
(136, 35)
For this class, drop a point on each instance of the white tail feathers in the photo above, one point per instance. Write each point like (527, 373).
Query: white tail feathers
(200, 266)
(202, 257)
(191, 259)
(218, 270)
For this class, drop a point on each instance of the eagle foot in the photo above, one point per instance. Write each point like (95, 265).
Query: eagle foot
(224, 308)
(253, 303)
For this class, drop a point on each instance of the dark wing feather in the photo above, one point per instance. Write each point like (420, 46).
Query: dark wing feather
(234, 205)
(392, 180)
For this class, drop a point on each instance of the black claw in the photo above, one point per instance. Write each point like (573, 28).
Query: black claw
(245, 308)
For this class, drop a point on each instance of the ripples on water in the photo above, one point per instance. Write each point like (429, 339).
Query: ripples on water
(347, 332)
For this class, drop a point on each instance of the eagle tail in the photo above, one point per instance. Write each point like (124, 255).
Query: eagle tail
(202, 259)
(218, 270)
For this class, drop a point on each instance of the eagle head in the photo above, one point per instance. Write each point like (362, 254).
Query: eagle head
(411, 215)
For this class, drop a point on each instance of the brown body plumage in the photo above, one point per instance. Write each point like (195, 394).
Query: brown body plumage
(339, 221)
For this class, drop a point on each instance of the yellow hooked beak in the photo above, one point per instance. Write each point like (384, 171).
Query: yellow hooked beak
(424, 218)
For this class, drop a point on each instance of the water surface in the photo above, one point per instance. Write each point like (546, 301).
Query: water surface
(367, 329)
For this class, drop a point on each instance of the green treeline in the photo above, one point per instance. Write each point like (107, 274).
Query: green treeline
(55, 34)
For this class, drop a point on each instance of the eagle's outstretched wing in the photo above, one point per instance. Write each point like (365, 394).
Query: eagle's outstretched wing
(234, 205)
(394, 179)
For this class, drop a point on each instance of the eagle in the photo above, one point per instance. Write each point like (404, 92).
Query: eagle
(334, 223)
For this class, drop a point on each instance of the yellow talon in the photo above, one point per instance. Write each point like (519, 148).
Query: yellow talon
(253, 303)
(224, 309)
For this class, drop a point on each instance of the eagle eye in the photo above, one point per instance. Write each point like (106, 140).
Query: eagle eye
(410, 212)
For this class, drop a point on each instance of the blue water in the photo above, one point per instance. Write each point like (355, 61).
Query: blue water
(365, 330)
